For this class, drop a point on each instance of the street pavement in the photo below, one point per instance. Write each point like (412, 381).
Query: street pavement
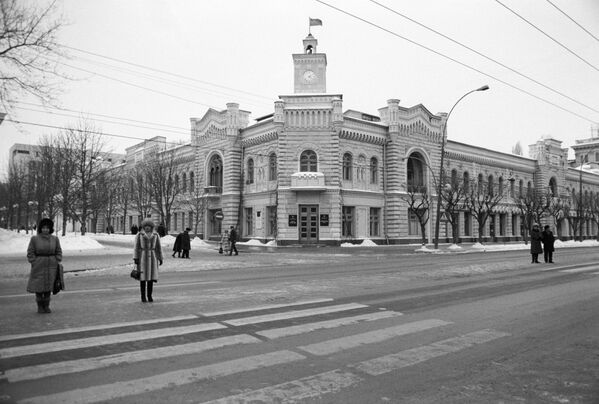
(311, 327)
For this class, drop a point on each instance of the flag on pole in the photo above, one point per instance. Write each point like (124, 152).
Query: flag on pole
(315, 21)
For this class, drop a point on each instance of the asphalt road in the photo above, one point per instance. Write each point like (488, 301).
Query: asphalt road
(315, 326)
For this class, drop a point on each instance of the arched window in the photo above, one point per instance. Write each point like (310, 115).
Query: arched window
(308, 161)
(466, 182)
(553, 186)
(415, 172)
(272, 167)
(361, 167)
(491, 186)
(480, 183)
(347, 167)
(500, 186)
(176, 184)
(191, 182)
(454, 179)
(529, 189)
(216, 171)
(184, 183)
(250, 171)
(521, 188)
(374, 170)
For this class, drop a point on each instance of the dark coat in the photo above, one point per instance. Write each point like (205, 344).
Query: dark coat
(161, 230)
(177, 246)
(148, 251)
(233, 235)
(535, 242)
(185, 241)
(548, 240)
(44, 253)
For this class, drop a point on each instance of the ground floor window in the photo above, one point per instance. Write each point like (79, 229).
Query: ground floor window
(214, 225)
(413, 223)
(502, 224)
(514, 225)
(347, 221)
(492, 225)
(375, 220)
(249, 221)
(468, 224)
(271, 216)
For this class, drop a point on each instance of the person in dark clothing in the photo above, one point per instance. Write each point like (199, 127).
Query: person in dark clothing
(535, 243)
(177, 246)
(185, 243)
(548, 240)
(233, 240)
(134, 229)
(161, 230)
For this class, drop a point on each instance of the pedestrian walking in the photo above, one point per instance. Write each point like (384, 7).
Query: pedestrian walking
(161, 229)
(548, 240)
(177, 246)
(224, 242)
(45, 254)
(185, 243)
(535, 243)
(233, 240)
(147, 255)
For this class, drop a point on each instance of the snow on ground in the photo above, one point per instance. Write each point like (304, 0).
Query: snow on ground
(12, 242)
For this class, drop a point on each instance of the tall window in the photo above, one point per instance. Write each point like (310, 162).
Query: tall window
(272, 167)
(467, 224)
(374, 170)
(249, 221)
(553, 186)
(271, 212)
(191, 182)
(529, 189)
(216, 171)
(454, 179)
(500, 186)
(480, 182)
(375, 220)
(415, 172)
(347, 167)
(184, 183)
(413, 223)
(176, 185)
(347, 221)
(250, 171)
(308, 161)
(491, 185)
(512, 182)
(466, 182)
(521, 188)
(361, 168)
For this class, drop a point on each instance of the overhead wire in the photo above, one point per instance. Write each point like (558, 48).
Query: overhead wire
(549, 36)
(573, 20)
(594, 121)
(483, 55)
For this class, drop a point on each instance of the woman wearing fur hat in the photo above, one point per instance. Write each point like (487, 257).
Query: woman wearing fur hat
(535, 243)
(44, 254)
(147, 255)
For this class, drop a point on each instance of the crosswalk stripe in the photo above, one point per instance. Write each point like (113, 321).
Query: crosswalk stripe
(576, 270)
(105, 340)
(99, 362)
(308, 387)
(176, 378)
(388, 363)
(293, 314)
(304, 328)
(340, 344)
(96, 327)
(265, 307)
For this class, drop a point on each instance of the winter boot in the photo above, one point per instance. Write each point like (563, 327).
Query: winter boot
(142, 289)
(47, 303)
(150, 288)
(39, 299)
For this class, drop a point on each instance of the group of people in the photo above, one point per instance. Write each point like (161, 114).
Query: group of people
(182, 244)
(541, 243)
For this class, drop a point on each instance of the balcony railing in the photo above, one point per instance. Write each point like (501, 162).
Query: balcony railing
(213, 190)
(307, 181)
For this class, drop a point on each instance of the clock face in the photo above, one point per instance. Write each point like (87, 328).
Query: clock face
(309, 76)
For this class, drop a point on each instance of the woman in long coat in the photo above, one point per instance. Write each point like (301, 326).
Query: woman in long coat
(535, 243)
(44, 253)
(147, 255)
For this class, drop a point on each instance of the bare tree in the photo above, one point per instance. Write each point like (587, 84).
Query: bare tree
(453, 202)
(161, 174)
(419, 204)
(195, 203)
(16, 194)
(62, 152)
(533, 205)
(481, 199)
(557, 210)
(29, 51)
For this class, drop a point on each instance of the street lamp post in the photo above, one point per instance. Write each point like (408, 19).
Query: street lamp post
(440, 180)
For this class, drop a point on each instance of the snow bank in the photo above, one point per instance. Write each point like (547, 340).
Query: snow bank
(365, 243)
(199, 243)
(12, 243)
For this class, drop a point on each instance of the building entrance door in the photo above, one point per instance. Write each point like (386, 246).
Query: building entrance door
(308, 224)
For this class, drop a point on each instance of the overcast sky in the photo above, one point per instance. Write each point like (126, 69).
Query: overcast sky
(240, 51)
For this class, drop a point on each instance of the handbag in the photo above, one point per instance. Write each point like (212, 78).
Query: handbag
(135, 273)
(59, 280)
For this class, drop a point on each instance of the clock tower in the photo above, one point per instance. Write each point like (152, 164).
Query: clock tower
(310, 69)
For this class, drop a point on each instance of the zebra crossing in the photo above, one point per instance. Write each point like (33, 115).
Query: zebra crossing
(324, 327)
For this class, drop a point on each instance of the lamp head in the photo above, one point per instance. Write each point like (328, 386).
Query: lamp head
(483, 88)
